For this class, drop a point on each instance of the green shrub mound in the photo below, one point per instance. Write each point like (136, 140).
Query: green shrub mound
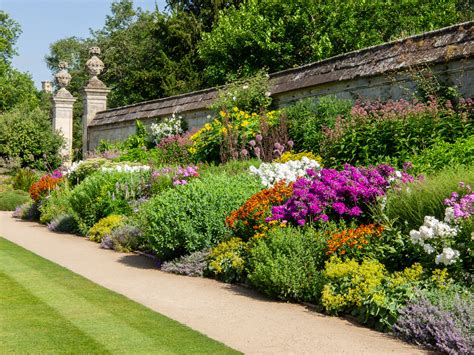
(287, 264)
(56, 205)
(103, 193)
(105, 227)
(191, 217)
(27, 134)
(9, 200)
(24, 178)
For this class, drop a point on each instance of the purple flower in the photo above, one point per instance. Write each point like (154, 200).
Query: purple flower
(252, 143)
(258, 137)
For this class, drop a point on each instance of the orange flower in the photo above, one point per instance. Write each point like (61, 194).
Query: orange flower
(347, 239)
(43, 187)
(250, 217)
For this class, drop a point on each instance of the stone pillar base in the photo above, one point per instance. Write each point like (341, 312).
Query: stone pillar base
(95, 100)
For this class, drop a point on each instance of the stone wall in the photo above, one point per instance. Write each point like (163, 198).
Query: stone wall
(381, 71)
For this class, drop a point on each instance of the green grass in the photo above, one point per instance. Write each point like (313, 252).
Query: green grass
(9, 200)
(45, 308)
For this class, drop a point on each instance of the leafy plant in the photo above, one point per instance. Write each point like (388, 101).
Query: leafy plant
(124, 238)
(191, 217)
(194, 264)
(9, 200)
(286, 264)
(64, 223)
(105, 227)
(227, 260)
(56, 205)
(24, 178)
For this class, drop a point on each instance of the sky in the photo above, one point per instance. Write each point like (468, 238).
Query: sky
(46, 21)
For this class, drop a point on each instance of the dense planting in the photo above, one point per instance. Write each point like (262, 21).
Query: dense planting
(250, 199)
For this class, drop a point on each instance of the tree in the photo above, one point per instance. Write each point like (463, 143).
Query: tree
(282, 34)
(9, 32)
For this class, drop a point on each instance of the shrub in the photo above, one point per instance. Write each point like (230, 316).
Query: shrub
(65, 223)
(27, 211)
(308, 117)
(28, 135)
(105, 227)
(191, 217)
(286, 264)
(410, 205)
(396, 129)
(227, 260)
(9, 200)
(108, 193)
(125, 238)
(175, 149)
(56, 205)
(447, 328)
(194, 264)
(367, 290)
(24, 178)
(351, 242)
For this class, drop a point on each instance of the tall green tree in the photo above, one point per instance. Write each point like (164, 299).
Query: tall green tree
(282, 34)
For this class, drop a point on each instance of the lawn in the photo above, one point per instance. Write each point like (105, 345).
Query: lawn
(45, 308)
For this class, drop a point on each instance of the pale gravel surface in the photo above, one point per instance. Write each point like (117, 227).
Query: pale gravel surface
(238, 317)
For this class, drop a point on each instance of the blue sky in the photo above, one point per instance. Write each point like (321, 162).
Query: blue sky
(46, 21)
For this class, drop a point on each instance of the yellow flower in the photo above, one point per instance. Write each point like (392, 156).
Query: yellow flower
(245, 123)
(235, 109)
(222, 113)
(224, 130)
(207, 127)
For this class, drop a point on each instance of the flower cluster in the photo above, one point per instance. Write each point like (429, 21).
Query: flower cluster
(434, 235)
(289, 155)
(353, 238)
(393, 109)
(460, 207)
(329, 192)
(44, 186)
(250, 217)
(271, 173)
(179, 175)
(125, 168)
(166, 128)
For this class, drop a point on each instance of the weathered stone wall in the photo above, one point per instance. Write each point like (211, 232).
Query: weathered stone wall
(377, 72)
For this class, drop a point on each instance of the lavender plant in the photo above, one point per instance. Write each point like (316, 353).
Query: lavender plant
(190, 265)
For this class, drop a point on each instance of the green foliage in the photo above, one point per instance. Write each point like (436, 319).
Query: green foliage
(278, 35)
(251, 94)
(227, 260)
(104, 227)
(287, 263)
(56, 205)
(28, 135)
(367, 290)
(307, 117)
(125, 238)
(191, 217)
(16, 88)
(372, 138)
(106, 193)
(410, 205)
(10, 30)
(79, 171)
(444, 154)
(24, 178)
(9, 200)
(65, 223)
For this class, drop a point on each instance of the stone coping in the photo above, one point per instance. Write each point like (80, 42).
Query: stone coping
(443, 45)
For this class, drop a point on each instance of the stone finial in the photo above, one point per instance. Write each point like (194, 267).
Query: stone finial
(63, 78)
(94, 65)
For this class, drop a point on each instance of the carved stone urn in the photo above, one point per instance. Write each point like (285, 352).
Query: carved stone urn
(63, 78)
(95, 66)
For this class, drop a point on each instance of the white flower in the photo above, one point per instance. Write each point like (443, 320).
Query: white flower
(428, 248)
(449, 215)
(415, 237)
(430, 221)
(447, 257)
(443, 230)
(426, 232)
(271, 173)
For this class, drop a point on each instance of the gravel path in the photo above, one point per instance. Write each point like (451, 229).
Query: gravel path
(238, 317)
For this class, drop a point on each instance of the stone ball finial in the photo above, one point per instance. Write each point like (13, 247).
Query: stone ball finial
(94, 65)
(63, 78)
